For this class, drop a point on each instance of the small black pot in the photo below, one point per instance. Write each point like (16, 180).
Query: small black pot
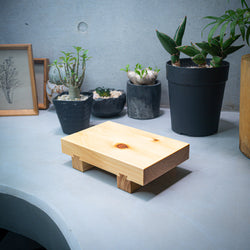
(74, 115)
(143, 101)
(108, 107)
(195, 96)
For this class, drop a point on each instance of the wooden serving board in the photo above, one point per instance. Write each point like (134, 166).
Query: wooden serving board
(135, 156)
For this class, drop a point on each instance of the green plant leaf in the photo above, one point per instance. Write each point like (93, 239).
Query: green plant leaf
(206, 27)
(188, 50)
(223, 31)
(232, 27)
(212, 31)
(247, 35)
(242, 29)
(232, 49)
(199, 59)
(216, 61)
(180, 32)
(211, 17)
(168, 43)
(209, 48)
(229, 41)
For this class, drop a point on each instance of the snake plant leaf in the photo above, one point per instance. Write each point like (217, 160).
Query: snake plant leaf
(209, 48)
(168, 43)
(188, 50)
(229, 41)
(216, 61)
(199, 59)
(180, 32)
(232, 49)
(216, 41)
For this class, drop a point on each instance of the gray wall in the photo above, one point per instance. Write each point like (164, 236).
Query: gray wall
(119, 32)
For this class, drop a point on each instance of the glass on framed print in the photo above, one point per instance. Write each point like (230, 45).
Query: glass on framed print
(17, 80)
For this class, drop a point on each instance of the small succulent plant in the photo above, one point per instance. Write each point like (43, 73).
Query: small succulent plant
(142, 75)
(103, 92)
(170, 44)
(215, 48)
(73, 65)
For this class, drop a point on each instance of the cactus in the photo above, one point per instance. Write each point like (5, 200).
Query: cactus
(141, 75)
(217, 50)
(170, 44)
(103, 92)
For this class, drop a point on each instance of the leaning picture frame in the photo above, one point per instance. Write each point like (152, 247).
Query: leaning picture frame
(41, 68)
(17, 80)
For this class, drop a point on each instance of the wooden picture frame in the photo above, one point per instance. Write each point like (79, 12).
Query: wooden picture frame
(17, 80)
(41, 68)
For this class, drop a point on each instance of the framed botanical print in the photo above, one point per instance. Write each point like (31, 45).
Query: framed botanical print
(17, 80)
(41, 68)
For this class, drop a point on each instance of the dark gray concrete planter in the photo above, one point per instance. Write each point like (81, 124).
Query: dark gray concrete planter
(74, 115)
(108, 107)
(143, 101)
(195, 96)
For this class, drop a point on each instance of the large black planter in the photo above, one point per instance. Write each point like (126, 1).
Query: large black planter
(74, 115)
(108, 107)
(143, 101)
(195, 96)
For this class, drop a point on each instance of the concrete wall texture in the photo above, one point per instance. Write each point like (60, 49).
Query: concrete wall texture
(116, 33)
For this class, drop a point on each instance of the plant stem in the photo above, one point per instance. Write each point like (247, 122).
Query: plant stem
(74, 92)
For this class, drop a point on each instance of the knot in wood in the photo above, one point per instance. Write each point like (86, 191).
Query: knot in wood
(121, 145)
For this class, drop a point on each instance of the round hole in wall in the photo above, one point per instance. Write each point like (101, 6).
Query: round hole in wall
(82, 27)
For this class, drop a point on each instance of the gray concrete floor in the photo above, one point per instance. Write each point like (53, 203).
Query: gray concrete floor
(203, 204)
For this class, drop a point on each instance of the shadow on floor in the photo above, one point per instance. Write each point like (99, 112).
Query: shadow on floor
(162, 183)
(146, 192)
(226, 125)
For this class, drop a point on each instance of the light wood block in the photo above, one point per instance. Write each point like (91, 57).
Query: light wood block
(135, 156)
(244, 127)
(80, 165)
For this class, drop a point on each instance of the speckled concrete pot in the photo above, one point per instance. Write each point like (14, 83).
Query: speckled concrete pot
(143, 101)
(74, 115)
(108, 107)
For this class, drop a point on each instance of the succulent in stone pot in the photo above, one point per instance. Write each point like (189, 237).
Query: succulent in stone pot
(143, 92)
(141, 75)
(108, 102)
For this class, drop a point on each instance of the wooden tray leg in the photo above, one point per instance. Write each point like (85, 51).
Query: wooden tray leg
(80, 165)
(126, 185)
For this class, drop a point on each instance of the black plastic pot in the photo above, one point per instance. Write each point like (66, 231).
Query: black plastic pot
(108, 107)
(195, 96)
(74, 115)
(143, 101)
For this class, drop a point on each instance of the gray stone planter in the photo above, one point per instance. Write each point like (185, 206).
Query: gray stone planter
(143, 101)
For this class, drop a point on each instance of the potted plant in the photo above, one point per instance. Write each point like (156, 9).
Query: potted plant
(239, 18)
(196, 84)
(143, 92)
(73, 108)
(108, 102)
